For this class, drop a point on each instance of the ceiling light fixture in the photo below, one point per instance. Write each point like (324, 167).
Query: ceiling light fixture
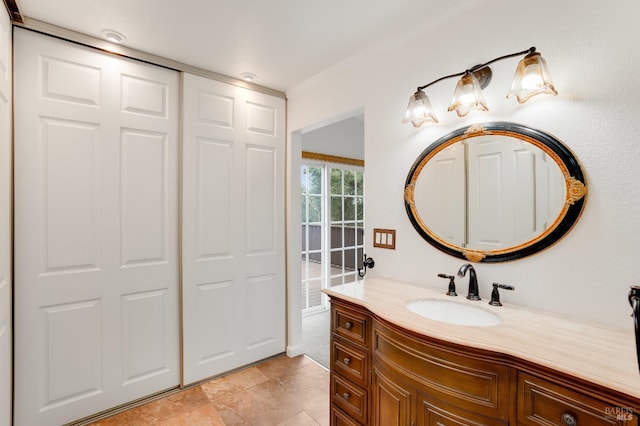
(113, 36)
(531, 78)
(247, 76)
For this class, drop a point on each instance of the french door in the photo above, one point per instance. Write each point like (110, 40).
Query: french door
(96, 230)
(332, 229)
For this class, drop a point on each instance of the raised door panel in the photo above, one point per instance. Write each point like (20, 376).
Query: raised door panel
(70, 198)
(214, 343)
(95, 230)
(434, 413)
(143, 195)
(145, 335)
(261, 207)
(391, 401)
(339, 418)
(468, 382)
(232, 233)
(84, 319)
(214, 195)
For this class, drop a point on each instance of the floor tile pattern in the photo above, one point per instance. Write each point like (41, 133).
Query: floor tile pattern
(279, 392)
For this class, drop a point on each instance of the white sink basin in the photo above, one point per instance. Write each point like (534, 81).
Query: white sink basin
(453, 312)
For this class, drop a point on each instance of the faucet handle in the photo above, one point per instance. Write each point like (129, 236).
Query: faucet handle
(495, 295)
(452, 284)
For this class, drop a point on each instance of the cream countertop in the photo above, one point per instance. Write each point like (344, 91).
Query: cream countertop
(597, 354)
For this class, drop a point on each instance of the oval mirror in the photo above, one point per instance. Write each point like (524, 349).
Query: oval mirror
(495, 192)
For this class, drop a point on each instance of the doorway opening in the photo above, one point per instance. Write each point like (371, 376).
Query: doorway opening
(332, 229)
(332, 224)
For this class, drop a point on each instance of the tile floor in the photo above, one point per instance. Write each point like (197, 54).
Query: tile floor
(279, 392)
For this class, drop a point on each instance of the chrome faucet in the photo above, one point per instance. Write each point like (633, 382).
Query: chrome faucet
(473, 281)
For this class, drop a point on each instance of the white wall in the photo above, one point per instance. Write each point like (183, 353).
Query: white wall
(344, 139)
(591, 49)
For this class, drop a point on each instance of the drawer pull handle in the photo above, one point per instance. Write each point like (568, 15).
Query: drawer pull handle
(346, 395)
(569, 420)
(346, 361)
(348, 325)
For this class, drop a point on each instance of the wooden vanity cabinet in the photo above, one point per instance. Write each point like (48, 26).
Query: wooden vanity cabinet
(384, 375)
(350, 365)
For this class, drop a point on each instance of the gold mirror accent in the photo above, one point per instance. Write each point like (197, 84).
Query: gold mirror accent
(473, 256)
(495, 192)
(577, 190)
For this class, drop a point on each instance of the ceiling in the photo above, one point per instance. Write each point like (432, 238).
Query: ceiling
(283, 42)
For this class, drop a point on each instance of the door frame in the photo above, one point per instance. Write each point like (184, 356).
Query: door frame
(295, 345)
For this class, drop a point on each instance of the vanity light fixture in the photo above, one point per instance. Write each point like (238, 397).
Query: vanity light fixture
(531, 78)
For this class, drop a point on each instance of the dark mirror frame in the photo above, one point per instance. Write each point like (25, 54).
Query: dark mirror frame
(575, 198)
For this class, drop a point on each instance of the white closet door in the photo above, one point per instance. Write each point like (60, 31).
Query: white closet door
(96, 221)
(233, 227)
(5, 220)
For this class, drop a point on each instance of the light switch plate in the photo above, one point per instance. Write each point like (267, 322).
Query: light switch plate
(384, 238)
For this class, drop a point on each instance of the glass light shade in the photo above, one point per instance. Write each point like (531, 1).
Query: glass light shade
(467, 96)
(531, 78)
(419, 110)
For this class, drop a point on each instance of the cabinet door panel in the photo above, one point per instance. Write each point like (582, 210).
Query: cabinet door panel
(391, 400)
(432, 412)
(468, 382)
(338, 418)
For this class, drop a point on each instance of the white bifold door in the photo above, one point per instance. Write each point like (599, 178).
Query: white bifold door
(96, 230)
(233, 288)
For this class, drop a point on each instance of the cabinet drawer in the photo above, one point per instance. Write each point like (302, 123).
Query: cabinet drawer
(350, 361)
(436, 413)
(338, 418)
(349, 397)
(350, 325)
(544, 403)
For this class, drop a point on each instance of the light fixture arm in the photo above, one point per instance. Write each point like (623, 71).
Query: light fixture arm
(478, 67)
(531, 78)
